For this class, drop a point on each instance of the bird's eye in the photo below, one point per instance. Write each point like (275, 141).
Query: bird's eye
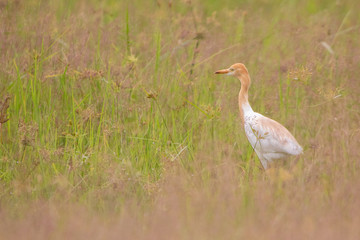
(231, 69)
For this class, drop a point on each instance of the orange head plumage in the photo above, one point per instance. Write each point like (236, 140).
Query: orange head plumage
(237, 69)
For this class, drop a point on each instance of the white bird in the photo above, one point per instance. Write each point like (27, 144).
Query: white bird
(269, 139)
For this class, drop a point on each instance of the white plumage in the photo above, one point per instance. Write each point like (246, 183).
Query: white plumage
(269, 138)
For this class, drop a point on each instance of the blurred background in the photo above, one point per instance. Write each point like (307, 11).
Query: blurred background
(113, 124)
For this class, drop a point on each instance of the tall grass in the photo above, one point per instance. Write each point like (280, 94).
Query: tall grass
(118, 126)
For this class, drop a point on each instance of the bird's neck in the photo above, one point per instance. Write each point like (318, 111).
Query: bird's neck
(244, 105)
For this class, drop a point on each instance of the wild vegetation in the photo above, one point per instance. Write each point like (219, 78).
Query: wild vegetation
(113, 124)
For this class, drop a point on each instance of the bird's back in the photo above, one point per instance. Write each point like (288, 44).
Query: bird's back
(269, 138)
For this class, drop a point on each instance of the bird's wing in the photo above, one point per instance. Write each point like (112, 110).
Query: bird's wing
(271, 135)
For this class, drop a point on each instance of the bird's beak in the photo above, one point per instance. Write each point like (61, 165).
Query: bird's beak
(222, 71)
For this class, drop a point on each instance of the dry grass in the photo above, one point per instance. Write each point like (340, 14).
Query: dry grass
(114, 126)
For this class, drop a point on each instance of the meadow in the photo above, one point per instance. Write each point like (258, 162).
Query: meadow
(113, 124)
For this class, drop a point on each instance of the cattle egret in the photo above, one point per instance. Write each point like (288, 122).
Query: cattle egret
(269, 139)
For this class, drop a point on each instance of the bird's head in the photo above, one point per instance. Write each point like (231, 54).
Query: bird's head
(237, 69)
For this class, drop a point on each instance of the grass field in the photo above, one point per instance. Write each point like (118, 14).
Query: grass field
(117, 127)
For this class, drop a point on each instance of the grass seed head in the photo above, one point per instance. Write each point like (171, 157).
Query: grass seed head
(4, 105)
